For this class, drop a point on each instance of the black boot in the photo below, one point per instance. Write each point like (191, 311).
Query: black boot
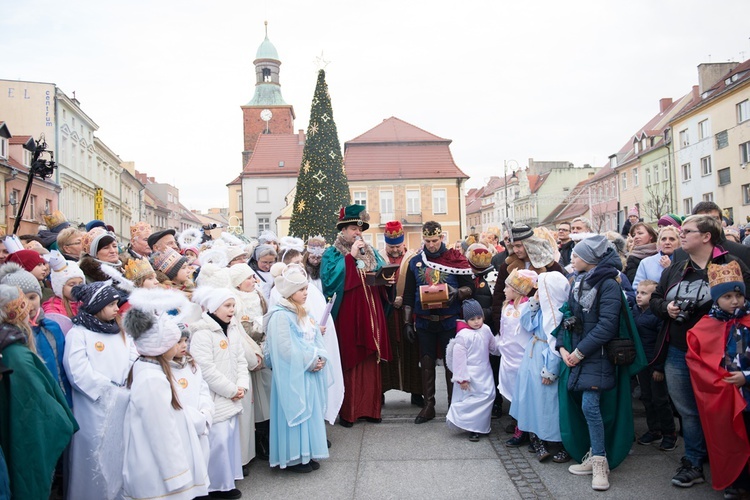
(449, 384)
(262, 432)
(417, 400)
(427, 365)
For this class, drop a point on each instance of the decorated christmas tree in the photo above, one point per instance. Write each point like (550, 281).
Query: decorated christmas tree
(322, 187)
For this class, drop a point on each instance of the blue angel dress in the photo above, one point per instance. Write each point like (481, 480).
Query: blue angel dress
(536, 406)
(298, 395)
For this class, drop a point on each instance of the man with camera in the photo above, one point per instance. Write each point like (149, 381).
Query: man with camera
(681, 299)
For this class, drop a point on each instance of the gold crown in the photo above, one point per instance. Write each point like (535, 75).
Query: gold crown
(522, 282)
(16, 309)
(480, 258)
(435, 232)
(54, 219)
(724, 273)
(137, 268)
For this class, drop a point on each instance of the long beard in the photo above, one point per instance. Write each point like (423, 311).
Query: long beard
(313, 272)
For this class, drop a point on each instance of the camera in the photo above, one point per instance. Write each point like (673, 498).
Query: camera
(687, 308)
(573, 325)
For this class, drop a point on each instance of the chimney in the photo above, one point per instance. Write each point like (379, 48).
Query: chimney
(696, 93)
(301, 135)
(711, 73)
(664, 104)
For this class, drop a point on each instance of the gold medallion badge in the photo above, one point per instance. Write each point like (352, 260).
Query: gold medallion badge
(99, 346)
(183, 383)
(223, 344)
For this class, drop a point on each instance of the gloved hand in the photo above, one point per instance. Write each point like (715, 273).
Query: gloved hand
(409, 332)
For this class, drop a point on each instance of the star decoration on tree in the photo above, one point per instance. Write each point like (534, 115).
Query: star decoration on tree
(320, 195)
(325, 117)
(306, 167)
(313, 129)
(319, 176)
(321, 62)
(332, 154)
(301, 206)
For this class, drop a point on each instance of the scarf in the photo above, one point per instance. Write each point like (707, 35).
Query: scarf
(224, 325)
(643, 251)
(435, 255)
(737, 336)
(592, 280)
(344, 247)
(94, 324)
(313, 272)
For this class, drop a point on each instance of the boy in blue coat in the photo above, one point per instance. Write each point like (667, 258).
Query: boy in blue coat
(654, 395)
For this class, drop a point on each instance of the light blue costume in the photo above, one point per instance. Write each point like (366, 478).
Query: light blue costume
(298, 395)
(536, 406)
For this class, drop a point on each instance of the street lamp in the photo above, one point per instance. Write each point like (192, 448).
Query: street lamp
(505, 183)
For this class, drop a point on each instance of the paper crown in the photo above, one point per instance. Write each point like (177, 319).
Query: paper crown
(54, 219)
(479, 257)
(437, 230)
(137, 268)
(142, 229)
(724, 278)
(16, 309)
(13, 243)
(316, 241)
(523, 281)
(394, 233)
(353, 214)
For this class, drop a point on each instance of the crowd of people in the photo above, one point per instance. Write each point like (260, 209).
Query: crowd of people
(163, 368)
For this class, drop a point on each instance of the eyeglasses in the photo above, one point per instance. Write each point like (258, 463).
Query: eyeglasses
(685, 232)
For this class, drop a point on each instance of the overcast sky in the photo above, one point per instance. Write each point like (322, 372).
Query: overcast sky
(552, 80)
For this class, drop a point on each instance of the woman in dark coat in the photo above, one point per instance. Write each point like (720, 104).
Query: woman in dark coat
(644, 245)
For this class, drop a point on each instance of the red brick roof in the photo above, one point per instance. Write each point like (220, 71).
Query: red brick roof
(272, 149)
(237, 180)
(395, 149)
(720, 88)
(19, 139)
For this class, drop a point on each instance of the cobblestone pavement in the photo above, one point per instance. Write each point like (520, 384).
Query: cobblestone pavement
(398, 459)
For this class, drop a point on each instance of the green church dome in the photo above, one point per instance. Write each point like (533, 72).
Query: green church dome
(267, 51)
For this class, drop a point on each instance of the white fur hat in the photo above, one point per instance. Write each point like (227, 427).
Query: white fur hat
(153, 335)
(215, 276)
(288, 279)
(210, 298)
(59, 277)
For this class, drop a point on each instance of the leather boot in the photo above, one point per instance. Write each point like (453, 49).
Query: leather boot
(449, 384)
(427, 365)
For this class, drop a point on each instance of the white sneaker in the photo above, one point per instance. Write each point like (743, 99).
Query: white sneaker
(584, 468)
(600, 466)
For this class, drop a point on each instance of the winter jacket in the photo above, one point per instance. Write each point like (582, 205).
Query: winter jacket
(634, 260)
(55, 305)
(566, 251)
(222, 362)
(483, 295)
(50, 346)
(648, 325)
(598, 325)
(682, 280)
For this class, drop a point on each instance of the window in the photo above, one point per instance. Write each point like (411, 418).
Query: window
(3, 147)
(708, 197)
(743, 111)
(360, 198)
(684, 138)
(264, 222)
(439, 201)
(635, 176)
(746, 194)
(381, 241)
(412, 202)
(386, 205)
(648, 176)
(637, 146)
(169, 195)
(687, 205)
(32, 207)
(666, 173)
(14, 199)
(703, 130)
(262, 195)
(706, 166)
(656, 175)
(725, 176)
(239, 199)
(686, 173)
(367, 238)
(624, 181)
(722, 139)
(47, 207)
(745, 153)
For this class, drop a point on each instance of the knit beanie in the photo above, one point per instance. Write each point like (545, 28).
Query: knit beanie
(288, 279)
(722, 278)
(95, 240)
(14, 275)
(62, 271)
(592, 250)
(150, 322)
(670, 220)
(210, 298)
(214, 276)
(472, 309)
(240, 273)
(28, 259)
(94, 224)
(95, 296)
(169, 262)
(521, 232)
(234, 252)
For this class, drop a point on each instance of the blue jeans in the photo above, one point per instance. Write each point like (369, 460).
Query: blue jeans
(593, 413)
(681, 391)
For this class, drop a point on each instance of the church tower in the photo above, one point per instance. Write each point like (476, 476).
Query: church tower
(266, 113)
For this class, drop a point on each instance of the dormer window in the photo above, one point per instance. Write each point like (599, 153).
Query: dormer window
(3, 147)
